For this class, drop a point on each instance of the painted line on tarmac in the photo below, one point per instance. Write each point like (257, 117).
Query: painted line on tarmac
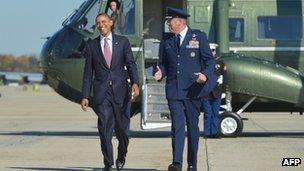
(258, 125)
(207, 159)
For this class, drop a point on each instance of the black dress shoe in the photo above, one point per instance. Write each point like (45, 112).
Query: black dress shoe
(175, 167)
(107, 168)
(191, 168)
(120, 164)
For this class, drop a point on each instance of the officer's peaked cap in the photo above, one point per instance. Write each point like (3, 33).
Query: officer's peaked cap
(175, 12)
(213, 45)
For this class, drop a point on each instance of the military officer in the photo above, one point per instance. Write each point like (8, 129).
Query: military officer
(211, 104)
(188, 65)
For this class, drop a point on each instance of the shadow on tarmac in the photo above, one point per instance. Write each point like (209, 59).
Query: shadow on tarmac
(273, 134)
(146, 134)
(133, 134)
(76, 168)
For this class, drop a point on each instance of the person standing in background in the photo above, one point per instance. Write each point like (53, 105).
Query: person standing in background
(117, 16)
(211, 104)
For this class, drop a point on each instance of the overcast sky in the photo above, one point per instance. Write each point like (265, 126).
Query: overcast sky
(24, 22)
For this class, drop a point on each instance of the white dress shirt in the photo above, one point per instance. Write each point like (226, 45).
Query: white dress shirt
(110, 42)
(183, 34)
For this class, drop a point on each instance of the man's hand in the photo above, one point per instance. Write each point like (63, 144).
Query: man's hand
(201, 78)
(135, 91)
(158, 75)
(84, 104)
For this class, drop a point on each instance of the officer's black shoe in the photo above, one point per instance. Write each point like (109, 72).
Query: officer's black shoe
(107, 168)
(120, 164)
(175, 167)
(191, 168)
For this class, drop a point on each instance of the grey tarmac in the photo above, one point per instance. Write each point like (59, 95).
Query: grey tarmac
(43, 131)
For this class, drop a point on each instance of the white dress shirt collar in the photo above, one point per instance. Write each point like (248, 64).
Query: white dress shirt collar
(110, 37)
(183, 34)
(110, 41)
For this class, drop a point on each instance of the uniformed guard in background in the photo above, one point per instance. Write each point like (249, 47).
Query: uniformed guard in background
(188, 64)
(211, 104)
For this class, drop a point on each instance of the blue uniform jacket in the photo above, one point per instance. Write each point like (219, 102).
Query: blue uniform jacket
(180, 66)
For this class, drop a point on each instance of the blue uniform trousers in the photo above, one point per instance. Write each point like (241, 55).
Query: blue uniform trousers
(184, 111)
(211, 109)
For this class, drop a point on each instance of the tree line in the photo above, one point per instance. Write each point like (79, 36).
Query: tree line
(23, 63)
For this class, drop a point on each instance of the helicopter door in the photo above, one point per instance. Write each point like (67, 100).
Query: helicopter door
(126, 15)
(154, 110)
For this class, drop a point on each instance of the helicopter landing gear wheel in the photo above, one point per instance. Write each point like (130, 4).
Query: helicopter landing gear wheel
(231, 124)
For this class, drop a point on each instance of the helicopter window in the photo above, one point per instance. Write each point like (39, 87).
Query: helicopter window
(280, 27)
(73, 15)
(152, 16)
(87, 21)
(68, 45)
(236, 30)
(123, 14)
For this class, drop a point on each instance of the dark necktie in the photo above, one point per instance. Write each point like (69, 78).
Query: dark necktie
(107, 52)
(177, 39)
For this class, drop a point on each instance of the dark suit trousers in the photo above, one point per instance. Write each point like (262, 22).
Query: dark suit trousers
(112, 116)
(184, 111)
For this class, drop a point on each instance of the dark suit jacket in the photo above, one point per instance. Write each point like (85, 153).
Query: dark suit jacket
(97, 69)
(179, 66)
